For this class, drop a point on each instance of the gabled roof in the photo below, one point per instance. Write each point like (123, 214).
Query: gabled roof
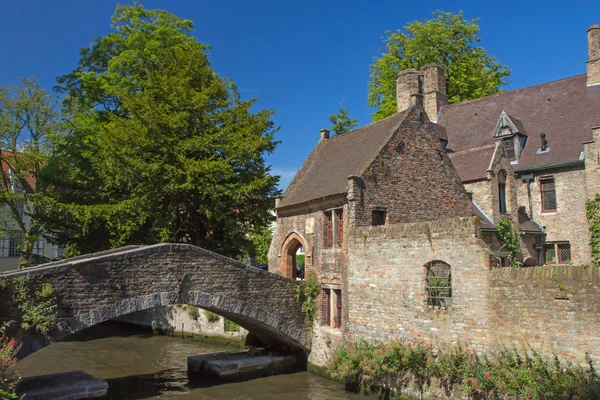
(513, 123)
(325, 172)
(566, 110)
(472, 164)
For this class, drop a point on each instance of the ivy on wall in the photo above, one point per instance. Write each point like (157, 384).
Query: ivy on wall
(509, 240)
(593, 216)
(306, 294)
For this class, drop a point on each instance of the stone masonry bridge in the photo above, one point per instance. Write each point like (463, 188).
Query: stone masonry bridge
(98, 287)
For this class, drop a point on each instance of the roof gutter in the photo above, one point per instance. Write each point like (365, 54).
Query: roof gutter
(550, 166)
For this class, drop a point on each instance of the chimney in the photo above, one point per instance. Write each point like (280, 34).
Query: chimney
(434, 92)
(544, 142)
(593, 63)
(324, 134)
(409, 89)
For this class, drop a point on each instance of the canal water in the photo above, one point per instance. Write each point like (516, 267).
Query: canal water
(139, 365)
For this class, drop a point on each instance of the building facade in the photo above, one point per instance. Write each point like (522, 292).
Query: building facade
(399, 219)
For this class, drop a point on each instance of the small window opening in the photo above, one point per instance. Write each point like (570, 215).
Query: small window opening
(502, 192)
(332, 308)
(509, 148)
(333, 232)
(378, 217)
(439, 285)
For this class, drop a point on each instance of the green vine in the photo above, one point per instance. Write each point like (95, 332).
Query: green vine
(509, 240)
(306, 294)
(593, 216)
(38, 309)
(562, 288)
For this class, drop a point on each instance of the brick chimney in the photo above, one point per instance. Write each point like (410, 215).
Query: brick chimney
(409, 89)
(324, 133)
(593, 63)
(434, 90)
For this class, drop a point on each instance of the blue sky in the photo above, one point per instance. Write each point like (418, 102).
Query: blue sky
(301, 58)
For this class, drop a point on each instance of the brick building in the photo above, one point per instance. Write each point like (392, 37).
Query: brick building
(398, 218)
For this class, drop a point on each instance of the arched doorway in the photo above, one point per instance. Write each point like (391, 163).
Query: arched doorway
(293, 257)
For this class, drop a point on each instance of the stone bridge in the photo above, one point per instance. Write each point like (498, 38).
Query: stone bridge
(98, 287)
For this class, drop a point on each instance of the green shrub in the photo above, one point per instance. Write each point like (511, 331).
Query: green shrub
(306, 294)
(231, 326)
(503, 374)
(211, 316)
(8, 365)
(38, 310)
(193, 312)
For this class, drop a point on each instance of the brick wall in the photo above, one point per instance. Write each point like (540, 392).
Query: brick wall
(412, 178)
(490, 306)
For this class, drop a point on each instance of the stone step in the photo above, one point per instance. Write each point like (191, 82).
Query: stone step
(72, 385)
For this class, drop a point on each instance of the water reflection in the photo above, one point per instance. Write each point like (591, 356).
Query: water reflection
(138, 365)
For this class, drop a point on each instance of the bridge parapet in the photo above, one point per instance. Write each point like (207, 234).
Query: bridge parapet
(95, 288)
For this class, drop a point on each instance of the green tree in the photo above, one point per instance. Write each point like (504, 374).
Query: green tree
(29, 128)
(161, 149)
(261, 238)
(342, 122)
(446, 39)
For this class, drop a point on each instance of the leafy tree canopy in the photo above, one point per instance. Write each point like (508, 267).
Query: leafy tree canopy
(160, 148)
(342, 123)
(446, 39)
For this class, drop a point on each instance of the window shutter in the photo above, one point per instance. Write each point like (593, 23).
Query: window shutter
(327, 301)
(329, 231)
(339, 308)
(340, 228)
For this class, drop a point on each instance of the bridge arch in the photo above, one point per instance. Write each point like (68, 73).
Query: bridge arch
(103, 286)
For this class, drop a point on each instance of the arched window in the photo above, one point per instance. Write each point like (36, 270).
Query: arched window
(439, 285)
(502, 192)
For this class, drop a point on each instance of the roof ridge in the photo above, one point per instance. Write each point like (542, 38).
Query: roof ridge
(511, 91)
(484, 147)
(362, 127)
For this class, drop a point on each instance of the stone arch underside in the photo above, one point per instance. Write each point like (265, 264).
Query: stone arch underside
(261, 302)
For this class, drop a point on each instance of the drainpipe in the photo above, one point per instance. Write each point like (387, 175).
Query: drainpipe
(528, 178)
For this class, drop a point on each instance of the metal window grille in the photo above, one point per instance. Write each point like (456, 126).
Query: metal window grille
(439, 285)
(550, 253)
(340, 227)
(328, 230)
(564, 251)
(509, 148)
(548, 191)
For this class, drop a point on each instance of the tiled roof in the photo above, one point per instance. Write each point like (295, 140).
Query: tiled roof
(473, 164)
(566, 110)
(325, 172)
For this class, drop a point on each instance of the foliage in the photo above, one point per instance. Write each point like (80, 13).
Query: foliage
(192, 311)
(300, 263)
(504, 374)
(564, 289)
(29, 130)
(38, 310)
(9, 371)
(593, 216)
(509, 240)
(231, 326)
(160, 148)
(446, 39)
(307, 293)
(211, 316)
(342, 122)
(260, 238)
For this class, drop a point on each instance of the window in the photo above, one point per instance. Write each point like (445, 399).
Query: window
(557, 253)
(509, 148)
(502, 192)
(332, 307)
(333, 231)
(14, 181)
(328, 230)
(378, 217)
(548, 191)
(439, 285)
(339, 216)
(10, 244)
(57, 251)
(38, 247)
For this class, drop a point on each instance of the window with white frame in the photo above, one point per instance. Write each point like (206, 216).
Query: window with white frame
(10, 244)
(57, 251)
(38, 246)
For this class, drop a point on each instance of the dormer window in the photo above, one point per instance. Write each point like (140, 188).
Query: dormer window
(509, 148)
(510, 132)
